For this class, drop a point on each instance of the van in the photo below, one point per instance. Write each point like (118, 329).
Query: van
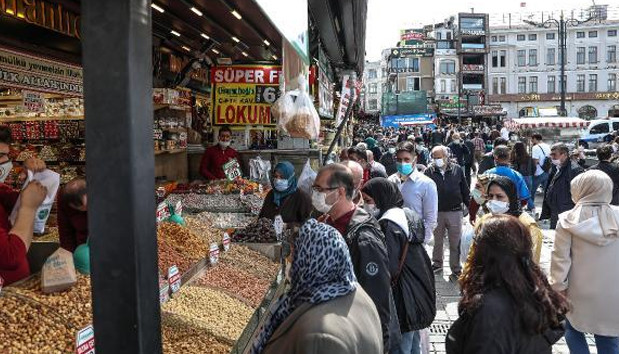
(597, 130)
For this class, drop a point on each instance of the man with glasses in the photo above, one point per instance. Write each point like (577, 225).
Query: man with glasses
(332, 195)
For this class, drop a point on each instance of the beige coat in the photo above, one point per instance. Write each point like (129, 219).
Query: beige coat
(586, 264)
(344, 325)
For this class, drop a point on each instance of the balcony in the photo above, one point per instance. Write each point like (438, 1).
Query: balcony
(472, 48)
(474, 87)
(473, 68)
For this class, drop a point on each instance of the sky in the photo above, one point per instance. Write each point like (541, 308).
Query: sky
(386, 17)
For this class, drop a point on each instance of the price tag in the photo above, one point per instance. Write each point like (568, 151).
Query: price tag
(33, 101)
(213, 253)
(266, 94)
(178, 209)
(85, 341)
(232, 169)
(260, 188)
(174, 279)
(163, 212)
(164, 291)
(278, 225)
(226, 242)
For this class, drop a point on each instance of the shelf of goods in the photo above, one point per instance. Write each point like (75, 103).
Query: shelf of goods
(217, 309)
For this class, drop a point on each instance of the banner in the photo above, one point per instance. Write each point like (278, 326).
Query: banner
(346, 98)
(407, 119)
(38, 74)
(243, 94)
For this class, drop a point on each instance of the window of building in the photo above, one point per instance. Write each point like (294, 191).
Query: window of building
(522, 84)
(564, 84)
(593, 55)
(448, 36)
(522, 57)
(495, 59)
(413, 84)
(439, 35)
(452, 86)
(447, 67)
(413, 64)
(533, 84)
(502, 58)
(495, 85)
(443, 86)
(551, 85)
(611, 54)
(372, 74)
(559, 56)
(612, 33)
(503, 85)
(493, 38)
(593, 82)
(580, 34)
(373, 88)
(580, 55)
(533, 37)
(589, 112)
(532, 57)
(373, 104)
(593, 34)
(501, 38)
(580, 83)
(550, 56)
(550, 35)
(521, 37)
(612, 82)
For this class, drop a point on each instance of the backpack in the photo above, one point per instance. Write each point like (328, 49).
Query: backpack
(547, 165)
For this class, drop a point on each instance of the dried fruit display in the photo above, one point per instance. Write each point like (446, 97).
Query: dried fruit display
(261, 230)
(220, 315)
(194, 202)
(48, 153)
(183, 240)
(178, 336)
(250, 261)
(167, 256)
(236, 281)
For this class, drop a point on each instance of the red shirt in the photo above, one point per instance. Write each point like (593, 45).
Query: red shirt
(341, 224)
(72, 226)
(213, 160)
(13, 261)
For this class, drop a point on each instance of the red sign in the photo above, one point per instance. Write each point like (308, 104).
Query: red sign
(233, 74)
(412, 36)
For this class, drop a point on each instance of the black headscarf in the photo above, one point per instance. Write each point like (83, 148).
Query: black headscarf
(506, 184)
(386, 194)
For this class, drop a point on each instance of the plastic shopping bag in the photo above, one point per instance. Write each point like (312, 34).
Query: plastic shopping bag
(466, 240)
(305, 123)
(259, 170)
(306, 179)
(49, 179)
(283, 109)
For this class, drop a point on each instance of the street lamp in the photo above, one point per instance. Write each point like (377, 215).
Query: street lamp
(562, 25)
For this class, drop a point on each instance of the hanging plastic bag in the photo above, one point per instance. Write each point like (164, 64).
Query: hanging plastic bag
(283, 109)
(466, 240)
(306, 179)
(305, 123)
(50, 180)
(259, 170)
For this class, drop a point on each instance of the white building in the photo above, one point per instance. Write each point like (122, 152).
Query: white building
(374, 78)
(446, 63)
(524, 69)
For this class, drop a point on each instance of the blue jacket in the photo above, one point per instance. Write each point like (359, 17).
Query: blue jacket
(516, 177)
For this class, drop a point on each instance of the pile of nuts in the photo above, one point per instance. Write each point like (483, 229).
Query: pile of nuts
(196, 202)
(226, 220)
(250, 261)
(236, 281)
(253, 203)
(203, 229)
(178, 336)
(183, 240)
(222, 316)
(261, 230)
(29, 327)
(167, 256)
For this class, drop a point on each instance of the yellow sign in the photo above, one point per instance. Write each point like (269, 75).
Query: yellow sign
(44, 14)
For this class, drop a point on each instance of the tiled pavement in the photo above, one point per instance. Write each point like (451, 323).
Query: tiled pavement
(448, 295)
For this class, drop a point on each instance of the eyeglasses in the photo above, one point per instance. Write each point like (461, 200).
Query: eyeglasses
(320, 189)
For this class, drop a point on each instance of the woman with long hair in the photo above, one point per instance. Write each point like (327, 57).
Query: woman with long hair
(523, 163)
(508, 305)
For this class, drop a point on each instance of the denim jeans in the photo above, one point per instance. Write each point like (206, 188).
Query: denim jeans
(578, 345)
(411, 344)
(540, 180)
(529, 182)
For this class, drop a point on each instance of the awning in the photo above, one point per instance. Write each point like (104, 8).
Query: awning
(545, 122)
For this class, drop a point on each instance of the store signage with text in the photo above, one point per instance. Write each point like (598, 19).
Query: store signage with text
(85, 341)
(346, 99)
(28, 72)
(243, 95)
(33, 101)
(44, 14)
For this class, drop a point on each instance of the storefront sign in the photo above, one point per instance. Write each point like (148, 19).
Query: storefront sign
(291, 19)
(85, 341)
(412, 51)
(244, 94)
(44, 14)
(411, 36)
(407, 119)
(33, 101)
(38, 74)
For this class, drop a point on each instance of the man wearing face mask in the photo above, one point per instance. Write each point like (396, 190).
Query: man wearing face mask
(388, 160)
(332, 195)
(558, 195)
(357, 180)
(211, 166)
(453, 193)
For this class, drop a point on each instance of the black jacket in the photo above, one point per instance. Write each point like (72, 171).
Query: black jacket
(486, 163)
(459, 151)
(558, 195)
(388, 160)
(366, 243)
(526, 169)
(437, 138)
(495, 327)
(452, 188)
(612, 170)
(469, 159)
(414, 290)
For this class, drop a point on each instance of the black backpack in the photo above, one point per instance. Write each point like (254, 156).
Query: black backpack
(547, 165)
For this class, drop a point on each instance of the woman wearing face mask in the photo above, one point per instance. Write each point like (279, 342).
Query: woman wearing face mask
(478, 197)
(285, 199)
(502, 199)
(325, 310)
(409, 264)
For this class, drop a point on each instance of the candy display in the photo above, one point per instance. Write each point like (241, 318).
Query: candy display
(261, 230)
(48, 153)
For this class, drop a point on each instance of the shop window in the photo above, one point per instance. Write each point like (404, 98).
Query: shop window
(526, 112)
(589, 112)
(614, 111)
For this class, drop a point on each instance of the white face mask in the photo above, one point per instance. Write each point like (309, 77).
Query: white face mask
(5, 169)
(497, 206)
(371, 209)
(476, 193)
(556, 162)
(224, 144)
(280, 184)
(319, 201)
(439, 163)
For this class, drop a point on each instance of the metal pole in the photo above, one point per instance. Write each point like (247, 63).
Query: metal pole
(562, 45)
(117, 59)
(341, 127)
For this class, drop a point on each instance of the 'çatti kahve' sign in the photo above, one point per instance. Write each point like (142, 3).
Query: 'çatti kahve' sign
(42, 13)
(39, 74)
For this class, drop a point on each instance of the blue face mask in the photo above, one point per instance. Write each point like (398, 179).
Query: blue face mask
(280, 184)
(405, 168)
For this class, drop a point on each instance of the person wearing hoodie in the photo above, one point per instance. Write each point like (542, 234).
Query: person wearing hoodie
(332, 194)
(409, 264)
(585, 261)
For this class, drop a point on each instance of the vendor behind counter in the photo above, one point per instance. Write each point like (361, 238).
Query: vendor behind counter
(72, 215)
(286, 199)
(211, 166)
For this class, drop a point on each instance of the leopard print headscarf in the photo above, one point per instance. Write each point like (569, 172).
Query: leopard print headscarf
(321, 271)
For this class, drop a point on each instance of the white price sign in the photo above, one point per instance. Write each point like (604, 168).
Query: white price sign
(214, 253)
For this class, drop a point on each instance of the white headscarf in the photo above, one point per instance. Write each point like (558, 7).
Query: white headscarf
(592, 193)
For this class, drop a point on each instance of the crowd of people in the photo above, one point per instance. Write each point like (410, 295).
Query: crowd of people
(363, 282)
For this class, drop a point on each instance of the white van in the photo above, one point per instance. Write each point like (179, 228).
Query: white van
(598, 129)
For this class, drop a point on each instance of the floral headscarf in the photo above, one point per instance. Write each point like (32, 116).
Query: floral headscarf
(321, 271)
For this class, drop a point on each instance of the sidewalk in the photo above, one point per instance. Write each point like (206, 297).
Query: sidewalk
(448, 295)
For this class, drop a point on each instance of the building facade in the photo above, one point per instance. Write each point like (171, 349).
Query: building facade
(374, 79)
(524, 69)
(446, 61)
